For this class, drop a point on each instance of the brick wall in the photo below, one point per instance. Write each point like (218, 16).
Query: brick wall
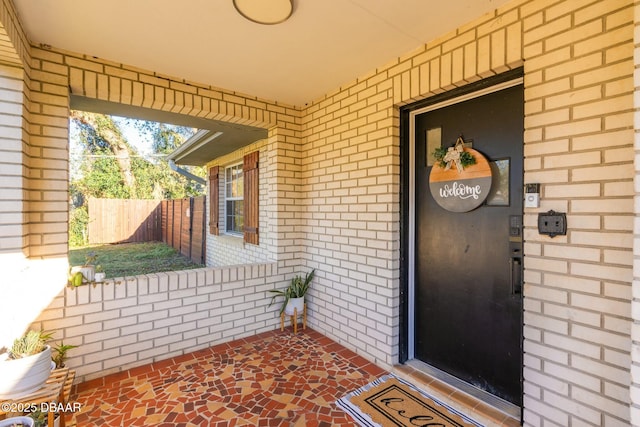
(138, 320)
(577, 58)
(14, 140)
(635, 299)
(579, 144)
(13, 153)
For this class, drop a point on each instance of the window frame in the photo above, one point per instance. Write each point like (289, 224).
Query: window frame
(238, 167)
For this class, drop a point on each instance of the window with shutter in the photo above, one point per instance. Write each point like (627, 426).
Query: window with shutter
(214, 201)
(234, 199)
(251, 196)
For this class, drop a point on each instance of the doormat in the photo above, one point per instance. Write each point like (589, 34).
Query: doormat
(390, 401)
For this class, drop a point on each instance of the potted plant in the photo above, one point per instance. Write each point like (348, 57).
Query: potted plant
(100, 275)
(293, 294)
(41, 419)
(26, 366)
(19, 422)
(88, 269)
(60, 355)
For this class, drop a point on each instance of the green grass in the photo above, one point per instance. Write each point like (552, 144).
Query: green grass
(130, 259)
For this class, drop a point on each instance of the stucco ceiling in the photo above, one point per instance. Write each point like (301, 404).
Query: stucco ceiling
(325, 43)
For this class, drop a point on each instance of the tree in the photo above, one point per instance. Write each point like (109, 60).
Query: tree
(110, 167)
(106, 165)
(108, 137)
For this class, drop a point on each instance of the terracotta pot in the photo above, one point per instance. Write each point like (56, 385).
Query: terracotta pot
(23, 376)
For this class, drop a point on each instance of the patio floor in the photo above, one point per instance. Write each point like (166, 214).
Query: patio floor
(272, 379)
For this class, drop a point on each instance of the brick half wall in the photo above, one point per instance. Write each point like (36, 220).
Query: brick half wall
(133, 321)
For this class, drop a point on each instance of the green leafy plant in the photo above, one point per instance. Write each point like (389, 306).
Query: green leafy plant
(33, 342)
(99, 269)
(297, 288)
(60, 353)
(40, 418)
(466, 158)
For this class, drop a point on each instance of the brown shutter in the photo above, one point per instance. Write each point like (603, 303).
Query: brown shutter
(214, 201)
(250, 172)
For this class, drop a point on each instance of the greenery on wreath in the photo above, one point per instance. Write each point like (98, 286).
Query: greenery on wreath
(466, 158)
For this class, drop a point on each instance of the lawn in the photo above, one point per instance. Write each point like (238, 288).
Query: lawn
(130, 259)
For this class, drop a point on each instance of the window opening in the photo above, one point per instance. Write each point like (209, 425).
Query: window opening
(234, 199)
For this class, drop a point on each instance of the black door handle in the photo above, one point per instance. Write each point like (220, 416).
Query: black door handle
(515, 275)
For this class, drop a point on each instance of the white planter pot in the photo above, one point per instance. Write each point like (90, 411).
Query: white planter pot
(23, 376)
(294, 303)
(88, 271)
(20, 421)
(100, 276)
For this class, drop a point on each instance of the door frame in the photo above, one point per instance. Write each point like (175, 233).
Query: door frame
(407, 184)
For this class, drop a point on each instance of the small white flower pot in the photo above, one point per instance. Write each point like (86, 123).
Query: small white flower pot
(100, 276)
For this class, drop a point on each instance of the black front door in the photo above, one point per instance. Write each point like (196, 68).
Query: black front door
(468, 266)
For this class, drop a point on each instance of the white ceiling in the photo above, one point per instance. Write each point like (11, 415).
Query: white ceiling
(325, 43)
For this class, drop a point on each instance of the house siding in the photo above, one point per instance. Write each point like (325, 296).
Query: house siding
(331, 190)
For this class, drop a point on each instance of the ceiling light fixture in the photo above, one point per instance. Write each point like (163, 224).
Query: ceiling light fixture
(265, 12)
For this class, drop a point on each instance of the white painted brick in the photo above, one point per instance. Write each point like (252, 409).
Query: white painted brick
(169, 321)
(572, 407)
(119, 361)
(153, 315)
(105, 334)
(137, 346)
(120, 303)
(155, 333)
(101, 316)
(545, 323)
(570, 313)
(154, 352)
(153, 297)
(123, 341)
(168, 339)
(119, 322)
(608, 339)
(136, 328)
(598, 401)
(604, 272)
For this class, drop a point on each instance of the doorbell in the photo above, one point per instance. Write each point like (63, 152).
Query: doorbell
(532, 196)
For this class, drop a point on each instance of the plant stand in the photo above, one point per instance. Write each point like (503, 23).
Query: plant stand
(294, 319)
(55, 390)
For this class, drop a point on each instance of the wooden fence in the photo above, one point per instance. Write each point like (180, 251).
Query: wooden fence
(180, 223)
(123, 221)
(184, 226)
